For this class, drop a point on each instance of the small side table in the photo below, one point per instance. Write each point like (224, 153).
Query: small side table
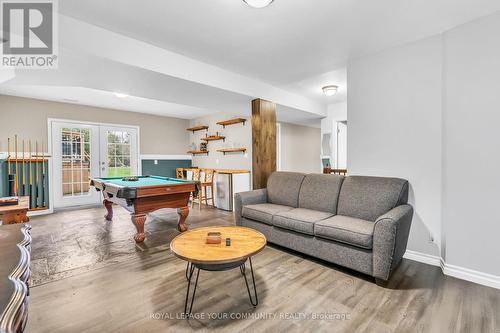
(191, 246)
(15, 213)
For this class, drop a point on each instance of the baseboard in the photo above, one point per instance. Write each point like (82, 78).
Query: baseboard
(462, 273)
(423, 258)
(458, 272)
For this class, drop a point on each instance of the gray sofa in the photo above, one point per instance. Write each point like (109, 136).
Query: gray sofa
(358, 222)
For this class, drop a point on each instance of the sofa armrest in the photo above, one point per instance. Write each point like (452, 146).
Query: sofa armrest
(390, 238)
(248, 198)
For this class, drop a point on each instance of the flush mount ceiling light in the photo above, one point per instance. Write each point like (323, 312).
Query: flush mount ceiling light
(121, 95)
(258, 3)
(330, 90)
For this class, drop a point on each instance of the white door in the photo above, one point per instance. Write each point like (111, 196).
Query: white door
(83, 151)
(342, 145)
(75, 152)
(118, 151)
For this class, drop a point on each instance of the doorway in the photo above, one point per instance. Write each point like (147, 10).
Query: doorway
(81, 151)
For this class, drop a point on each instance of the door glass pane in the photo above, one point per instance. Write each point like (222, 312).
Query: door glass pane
(118, 154)
(75, 151)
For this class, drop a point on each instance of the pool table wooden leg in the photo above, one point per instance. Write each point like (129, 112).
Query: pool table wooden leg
(183, 214)
(139, 220)
(109, 208)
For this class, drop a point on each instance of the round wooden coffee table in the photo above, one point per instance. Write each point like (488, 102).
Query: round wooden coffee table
(192, 247)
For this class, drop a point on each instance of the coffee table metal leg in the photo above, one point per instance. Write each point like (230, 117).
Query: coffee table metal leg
(188, 266)
(243, 272)
(191, 269)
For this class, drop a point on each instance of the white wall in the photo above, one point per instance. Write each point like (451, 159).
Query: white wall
(27, 118)
(472, 146)
(300, 148)
(341, 145)
(335, 112)
(394, 128)
(238, 135)
(429, 112)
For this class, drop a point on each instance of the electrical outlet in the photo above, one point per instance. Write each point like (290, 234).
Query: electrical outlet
(156, 162)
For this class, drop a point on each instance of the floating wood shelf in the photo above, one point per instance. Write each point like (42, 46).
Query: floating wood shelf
(198, 128)
(214, 138)
(232, 150)
(232, 122)
(198, 152)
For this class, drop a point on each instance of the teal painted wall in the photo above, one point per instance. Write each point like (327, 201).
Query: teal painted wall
(165, 168)
(4, 182)
(35, 202)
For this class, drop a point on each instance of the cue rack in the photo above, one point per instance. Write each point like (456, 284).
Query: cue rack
(27, 171)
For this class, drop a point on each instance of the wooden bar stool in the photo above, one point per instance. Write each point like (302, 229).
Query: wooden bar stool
(208, 183)
(179, 173)
(196, 176)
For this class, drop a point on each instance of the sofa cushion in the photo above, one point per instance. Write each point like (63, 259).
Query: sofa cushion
(263, 212)
(320, 192)
(299, 219)
(283, 188)
(368, 198)
(346, 229)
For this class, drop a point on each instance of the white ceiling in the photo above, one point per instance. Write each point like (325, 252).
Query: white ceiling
(186, 58)
(105, 99)
(289, 41)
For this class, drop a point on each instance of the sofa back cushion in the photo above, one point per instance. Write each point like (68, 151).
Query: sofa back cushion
(283, 188)
(368, 198)
(320, 192)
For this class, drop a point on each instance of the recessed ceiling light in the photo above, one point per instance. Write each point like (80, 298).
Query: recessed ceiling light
(330, 90)
(258, 3)
(121, 95)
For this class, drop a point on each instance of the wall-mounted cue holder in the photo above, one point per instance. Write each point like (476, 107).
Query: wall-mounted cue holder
(31, 180)
(24, 171)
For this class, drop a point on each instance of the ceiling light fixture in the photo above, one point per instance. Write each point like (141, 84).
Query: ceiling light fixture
(330, 90)
(258, 3)
(121, 95)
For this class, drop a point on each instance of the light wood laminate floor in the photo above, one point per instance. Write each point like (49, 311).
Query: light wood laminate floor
(89, 276)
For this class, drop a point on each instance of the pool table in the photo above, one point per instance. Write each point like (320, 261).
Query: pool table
(144, 195)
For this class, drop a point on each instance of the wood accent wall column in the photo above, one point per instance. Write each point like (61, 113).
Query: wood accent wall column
(263, 141)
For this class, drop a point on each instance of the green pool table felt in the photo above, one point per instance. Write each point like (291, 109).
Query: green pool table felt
(144, 181)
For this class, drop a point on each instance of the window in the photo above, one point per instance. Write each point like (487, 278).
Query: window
(118, 154)
(75, 161)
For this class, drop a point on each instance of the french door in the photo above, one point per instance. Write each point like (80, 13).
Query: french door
(118, 147)
(82, 151)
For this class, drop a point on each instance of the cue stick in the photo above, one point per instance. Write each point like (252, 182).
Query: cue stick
(8, 155)
(43, 175)
(11, 183)
(16, 189)
(23, 179)
(36, 174)
(30, 175)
